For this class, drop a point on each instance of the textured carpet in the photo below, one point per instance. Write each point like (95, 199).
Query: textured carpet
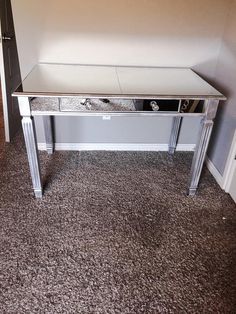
(114, 233)
(1, 119)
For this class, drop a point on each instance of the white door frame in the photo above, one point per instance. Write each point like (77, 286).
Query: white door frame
(230, 166)
(4, 94)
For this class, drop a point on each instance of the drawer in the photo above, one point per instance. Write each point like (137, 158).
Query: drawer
(161, 105)
(44, 104)
(78, 104)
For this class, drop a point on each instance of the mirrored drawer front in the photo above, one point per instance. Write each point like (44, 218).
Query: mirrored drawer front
(45, 104)
(161, 105)
(78, 104)
(167, 105)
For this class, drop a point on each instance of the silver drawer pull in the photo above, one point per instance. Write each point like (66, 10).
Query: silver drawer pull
(154, 105)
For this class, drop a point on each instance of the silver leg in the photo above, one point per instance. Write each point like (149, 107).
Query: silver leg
(31, 145)
(32, 153)
(47, 121)
(202, 145)
(174, 134)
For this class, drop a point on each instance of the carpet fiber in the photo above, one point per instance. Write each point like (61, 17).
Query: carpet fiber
(114, 233)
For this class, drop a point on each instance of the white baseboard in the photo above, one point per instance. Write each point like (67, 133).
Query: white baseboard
(116, 147)
(229, 167)
(218, 177)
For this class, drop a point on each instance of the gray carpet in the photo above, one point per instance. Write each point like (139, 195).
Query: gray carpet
(114, 233)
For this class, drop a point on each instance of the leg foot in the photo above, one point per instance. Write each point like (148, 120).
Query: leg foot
(171, 150)
(50, 150)
(38, 193)
(192, 192)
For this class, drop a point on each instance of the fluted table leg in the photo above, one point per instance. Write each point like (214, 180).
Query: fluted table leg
(32, 153)
(31, 145)
(202, 145)
(47, 121)
(174, 134)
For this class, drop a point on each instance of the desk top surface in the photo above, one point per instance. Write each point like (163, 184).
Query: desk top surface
(91, 81)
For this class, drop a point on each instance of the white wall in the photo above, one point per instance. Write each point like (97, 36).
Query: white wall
(134, 32)
(27, 27)
(226, 78)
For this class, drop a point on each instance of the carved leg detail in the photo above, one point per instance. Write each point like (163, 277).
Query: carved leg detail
(199, 155)
(174, 134)
(47, 121)
(32, 153)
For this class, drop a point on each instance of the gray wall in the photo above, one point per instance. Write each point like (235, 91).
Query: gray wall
(119, 130)
(225, 77)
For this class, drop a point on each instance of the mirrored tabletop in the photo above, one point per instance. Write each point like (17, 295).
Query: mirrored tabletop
(93, 81)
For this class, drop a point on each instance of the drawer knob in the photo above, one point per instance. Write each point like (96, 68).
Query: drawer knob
(154, 105)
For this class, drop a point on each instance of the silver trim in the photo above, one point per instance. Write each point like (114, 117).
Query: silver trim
(117, 114)
(124, 96)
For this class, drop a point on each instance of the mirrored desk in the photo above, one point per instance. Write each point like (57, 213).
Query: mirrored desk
(79, 90)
